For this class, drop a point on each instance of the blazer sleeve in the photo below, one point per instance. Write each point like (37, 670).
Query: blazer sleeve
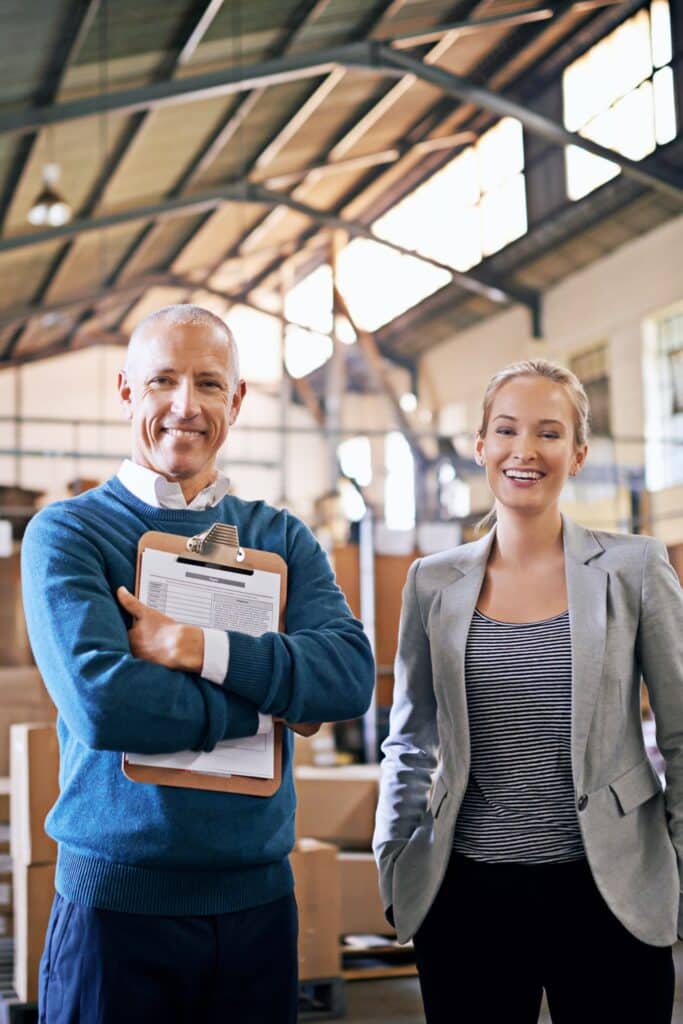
(410, 750)
(660, 651)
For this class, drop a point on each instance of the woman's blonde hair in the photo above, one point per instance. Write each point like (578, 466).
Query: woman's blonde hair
(551, 371)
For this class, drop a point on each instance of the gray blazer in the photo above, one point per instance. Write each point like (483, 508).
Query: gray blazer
(626, 617)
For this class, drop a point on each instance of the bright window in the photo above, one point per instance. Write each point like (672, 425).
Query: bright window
(259, 343)
(471, 208)
(355, 459)
(663, 390)
(620, 93)
(399, 485)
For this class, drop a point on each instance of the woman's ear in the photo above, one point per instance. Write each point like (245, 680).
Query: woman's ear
(479, 450)
(578, 460)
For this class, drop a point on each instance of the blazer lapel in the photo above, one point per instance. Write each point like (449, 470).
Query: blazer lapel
(457, 603)
(587, 593)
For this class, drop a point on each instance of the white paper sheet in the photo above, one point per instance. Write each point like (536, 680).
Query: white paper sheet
(210, 595)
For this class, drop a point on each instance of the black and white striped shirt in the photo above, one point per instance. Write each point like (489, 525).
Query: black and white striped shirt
(519, 804)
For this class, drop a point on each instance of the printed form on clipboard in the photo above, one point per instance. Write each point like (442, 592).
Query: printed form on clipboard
(199, 593)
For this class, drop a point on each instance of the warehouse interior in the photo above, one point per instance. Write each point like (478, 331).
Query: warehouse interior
(387, 202)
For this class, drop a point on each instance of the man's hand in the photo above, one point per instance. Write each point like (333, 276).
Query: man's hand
(303, 728)
(158, 638)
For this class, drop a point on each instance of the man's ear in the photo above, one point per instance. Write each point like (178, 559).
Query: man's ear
(237, 399)
(124, 394)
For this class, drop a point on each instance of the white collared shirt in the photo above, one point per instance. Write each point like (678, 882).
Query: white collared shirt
(155, 490)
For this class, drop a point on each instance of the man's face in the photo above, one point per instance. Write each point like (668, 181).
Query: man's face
(176, 392)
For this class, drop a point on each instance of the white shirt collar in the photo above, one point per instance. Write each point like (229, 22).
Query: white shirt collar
(154, 489)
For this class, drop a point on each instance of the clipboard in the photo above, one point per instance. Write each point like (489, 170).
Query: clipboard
(219, 545)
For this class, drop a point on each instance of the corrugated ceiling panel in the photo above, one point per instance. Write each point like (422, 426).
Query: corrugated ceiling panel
(160, 245)
(242, 28)
(22, 271)
(29, 31)
(91, 259)
(162, 150)
(79, 149)
(217, 235)
(128, 28)
(155, 298)
(272, 111)
(325, 122)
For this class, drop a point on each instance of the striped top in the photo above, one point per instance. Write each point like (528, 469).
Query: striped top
(519, 805)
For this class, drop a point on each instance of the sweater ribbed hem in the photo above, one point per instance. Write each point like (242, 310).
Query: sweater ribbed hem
(132, 889)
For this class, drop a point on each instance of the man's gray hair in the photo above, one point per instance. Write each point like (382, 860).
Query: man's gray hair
(182, 314)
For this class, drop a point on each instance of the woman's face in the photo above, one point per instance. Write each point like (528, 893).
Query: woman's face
(529, 448)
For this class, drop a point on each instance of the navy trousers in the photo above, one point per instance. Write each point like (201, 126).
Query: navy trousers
(105, 967)
(497, 935)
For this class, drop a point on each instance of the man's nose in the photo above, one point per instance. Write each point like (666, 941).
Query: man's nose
(185, 400)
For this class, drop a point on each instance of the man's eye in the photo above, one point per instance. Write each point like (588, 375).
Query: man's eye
(159, 380)
(211, 384)
(550, 433)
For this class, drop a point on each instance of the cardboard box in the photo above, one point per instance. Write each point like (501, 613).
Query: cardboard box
(23, 698)
(4, 799)
(34, 888)
(317, 749)
(316, 879)
(337, 804)
(361, 906)
(34, 789)
(6, 892)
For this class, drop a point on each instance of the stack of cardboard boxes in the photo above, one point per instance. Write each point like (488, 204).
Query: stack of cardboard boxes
(337, 805)
(34, 773)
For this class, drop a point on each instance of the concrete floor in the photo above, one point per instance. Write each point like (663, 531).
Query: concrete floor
(398, 1001)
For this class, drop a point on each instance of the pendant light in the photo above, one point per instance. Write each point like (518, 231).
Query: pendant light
(49, 208)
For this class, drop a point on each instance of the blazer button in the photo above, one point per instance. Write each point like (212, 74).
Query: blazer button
(583, 802)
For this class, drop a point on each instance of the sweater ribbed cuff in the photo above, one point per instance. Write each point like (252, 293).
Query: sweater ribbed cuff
(250, 672)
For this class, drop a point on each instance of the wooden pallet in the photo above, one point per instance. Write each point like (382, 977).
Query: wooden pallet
(321, 999)
(12, 1010)
(374, 960)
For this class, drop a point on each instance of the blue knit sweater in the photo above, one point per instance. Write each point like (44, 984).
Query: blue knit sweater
(156, 849)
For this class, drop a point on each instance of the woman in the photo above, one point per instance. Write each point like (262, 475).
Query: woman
(522, 836)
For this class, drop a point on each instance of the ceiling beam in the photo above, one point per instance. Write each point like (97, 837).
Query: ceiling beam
(190, 31)
(482, 283)
(243, 78)
(378, 369)
(225, 82)
(650, 172)
(302, 17)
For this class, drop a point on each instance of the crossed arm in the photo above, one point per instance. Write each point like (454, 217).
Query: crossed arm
(155, 637)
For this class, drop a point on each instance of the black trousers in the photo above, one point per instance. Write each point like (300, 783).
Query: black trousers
(498, 934)
(105, 967)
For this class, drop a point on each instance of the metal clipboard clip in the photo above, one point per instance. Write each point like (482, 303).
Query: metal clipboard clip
(218, 534)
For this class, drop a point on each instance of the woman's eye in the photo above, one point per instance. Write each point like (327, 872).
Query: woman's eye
(504, 430)
(550, 434)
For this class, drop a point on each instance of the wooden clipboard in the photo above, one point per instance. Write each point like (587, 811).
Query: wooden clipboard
(218, 545)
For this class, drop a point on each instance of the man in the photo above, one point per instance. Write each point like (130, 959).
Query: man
(175, 904)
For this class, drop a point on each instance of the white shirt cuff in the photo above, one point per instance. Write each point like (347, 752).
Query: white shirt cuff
(216, 655)
(265, 723)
